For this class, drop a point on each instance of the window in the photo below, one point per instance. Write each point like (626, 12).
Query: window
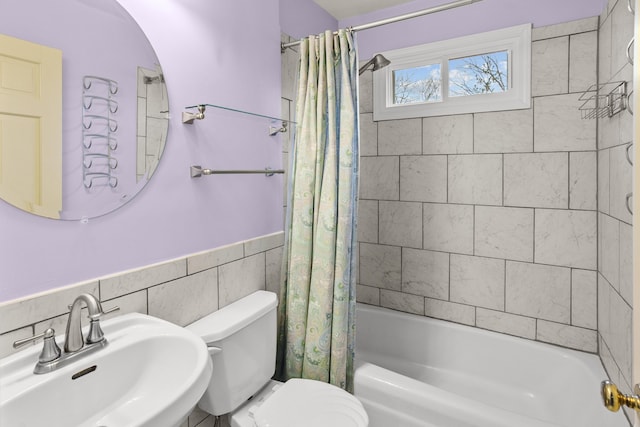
(484, 72)
(478, 74)
(417, 85)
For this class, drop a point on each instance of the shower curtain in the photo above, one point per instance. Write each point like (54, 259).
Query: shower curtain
(316, 336)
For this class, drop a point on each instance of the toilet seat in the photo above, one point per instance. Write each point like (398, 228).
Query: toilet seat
(309, 403)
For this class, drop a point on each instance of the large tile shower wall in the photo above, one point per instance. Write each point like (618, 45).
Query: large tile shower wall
(615, 281)
(490, 219)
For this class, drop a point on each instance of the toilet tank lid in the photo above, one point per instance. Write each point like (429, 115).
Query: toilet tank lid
(233, 317)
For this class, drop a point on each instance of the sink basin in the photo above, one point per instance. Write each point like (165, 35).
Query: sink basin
(151, 373)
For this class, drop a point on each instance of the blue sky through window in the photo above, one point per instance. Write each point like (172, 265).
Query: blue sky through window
(485, 73)
(419, 84)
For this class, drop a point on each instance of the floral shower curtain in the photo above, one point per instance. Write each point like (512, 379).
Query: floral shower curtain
(316, 336)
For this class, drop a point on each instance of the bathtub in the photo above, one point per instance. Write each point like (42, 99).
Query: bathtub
(413, 371)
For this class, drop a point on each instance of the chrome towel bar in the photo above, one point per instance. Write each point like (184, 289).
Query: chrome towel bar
(198, 171)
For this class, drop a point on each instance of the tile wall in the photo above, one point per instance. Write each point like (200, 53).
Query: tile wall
(180, 291)
(615, 262)
(490, 219)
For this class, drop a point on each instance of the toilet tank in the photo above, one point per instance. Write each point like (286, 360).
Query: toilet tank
(245, 334)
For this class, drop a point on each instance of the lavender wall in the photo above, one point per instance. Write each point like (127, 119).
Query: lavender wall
(299, 18)
(483, 16)
(225, 53)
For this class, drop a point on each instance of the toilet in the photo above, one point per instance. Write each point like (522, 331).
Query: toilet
(241, 339)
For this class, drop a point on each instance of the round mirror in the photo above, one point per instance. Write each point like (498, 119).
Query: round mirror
(83, 107)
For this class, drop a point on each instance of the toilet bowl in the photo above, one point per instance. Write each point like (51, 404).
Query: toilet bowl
(241, 339)
(300, 402)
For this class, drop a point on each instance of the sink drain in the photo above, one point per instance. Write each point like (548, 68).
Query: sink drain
(83, 373)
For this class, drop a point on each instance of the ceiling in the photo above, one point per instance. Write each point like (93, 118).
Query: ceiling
(341, 9)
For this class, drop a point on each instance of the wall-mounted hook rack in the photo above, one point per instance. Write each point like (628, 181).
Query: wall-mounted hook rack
(99, 125)
(87, 82)
(112, 162)
(87, 102)
(108, 121)
(90, 177)
(87, 140)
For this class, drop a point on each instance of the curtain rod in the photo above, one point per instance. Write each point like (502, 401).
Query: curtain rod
(429, 11)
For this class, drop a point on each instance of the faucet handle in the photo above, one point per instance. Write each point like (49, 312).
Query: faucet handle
(111, 310)
(50, 350)
(97, 316)
(95, 334)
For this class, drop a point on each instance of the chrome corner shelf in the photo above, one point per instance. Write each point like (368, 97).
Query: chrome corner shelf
(604, 100)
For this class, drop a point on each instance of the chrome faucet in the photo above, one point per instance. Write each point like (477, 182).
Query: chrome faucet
(51, 357)
(73, 340)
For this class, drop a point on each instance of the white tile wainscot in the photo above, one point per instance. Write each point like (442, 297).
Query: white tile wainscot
(180, 291)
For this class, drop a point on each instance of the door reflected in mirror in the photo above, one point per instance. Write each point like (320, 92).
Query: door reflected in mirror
(115, 139)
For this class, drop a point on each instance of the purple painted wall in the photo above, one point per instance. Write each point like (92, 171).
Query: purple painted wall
(483, 16)
(300, 18)
(225, 53)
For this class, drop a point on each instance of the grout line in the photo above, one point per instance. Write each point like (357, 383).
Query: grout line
(568, 180)
(473, 133)
(504, 298)
(571, 297)
(449, 279)
(533, 125)
(503, 178)
(402, 269)
(569, 36)
(422, 223)
(447, 180)
(473, 232)
(533, 257)
(378, 220)
(218, 286)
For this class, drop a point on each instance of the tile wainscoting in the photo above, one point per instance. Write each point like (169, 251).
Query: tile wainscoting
(180, 291)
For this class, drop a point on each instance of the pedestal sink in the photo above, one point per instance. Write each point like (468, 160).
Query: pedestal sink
(150, 374)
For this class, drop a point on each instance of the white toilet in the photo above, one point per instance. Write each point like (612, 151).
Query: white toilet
(242, 343)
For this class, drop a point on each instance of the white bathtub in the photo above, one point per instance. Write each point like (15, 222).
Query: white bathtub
(415, 371)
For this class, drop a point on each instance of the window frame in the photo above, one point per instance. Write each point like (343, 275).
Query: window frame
(516, 40)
